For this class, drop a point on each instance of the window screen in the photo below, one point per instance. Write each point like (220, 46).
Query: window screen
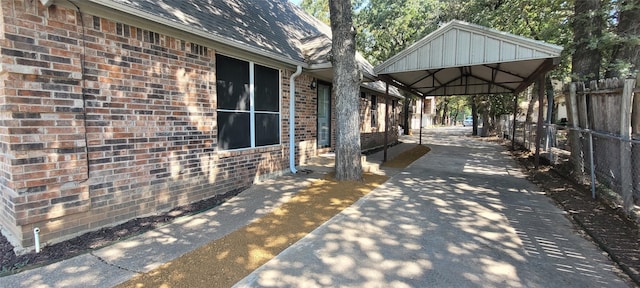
(232, 83)
(235, 110)
(267, 129)
(266, 89)
(234, 130)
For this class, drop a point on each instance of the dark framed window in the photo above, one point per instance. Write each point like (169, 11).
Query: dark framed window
(247, 117)
(374, 111)
(394, 119)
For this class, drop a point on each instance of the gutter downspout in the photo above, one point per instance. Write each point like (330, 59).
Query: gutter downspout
(292, 119)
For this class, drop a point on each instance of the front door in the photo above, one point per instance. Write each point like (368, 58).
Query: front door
(324, 115)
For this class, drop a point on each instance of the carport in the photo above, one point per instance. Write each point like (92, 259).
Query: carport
(461, 58)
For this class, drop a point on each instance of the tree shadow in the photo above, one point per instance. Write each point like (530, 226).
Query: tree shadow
(462, 216)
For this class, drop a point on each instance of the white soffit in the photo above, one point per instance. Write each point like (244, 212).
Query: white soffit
(461, 59)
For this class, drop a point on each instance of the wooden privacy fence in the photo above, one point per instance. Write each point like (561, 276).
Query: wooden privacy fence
(604, 135)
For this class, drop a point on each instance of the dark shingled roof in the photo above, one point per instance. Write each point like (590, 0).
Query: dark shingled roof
(380, 87)
(275, 26)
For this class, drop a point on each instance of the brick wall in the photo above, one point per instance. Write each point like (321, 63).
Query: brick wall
(372, 137)
(44, 171)
(140, 139)
(306, 118)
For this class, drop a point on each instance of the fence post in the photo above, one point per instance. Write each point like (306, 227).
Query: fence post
(574, 134)
(592, 166)
(582, 109)
(625, 145)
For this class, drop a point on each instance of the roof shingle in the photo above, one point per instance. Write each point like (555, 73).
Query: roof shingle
(274, 26)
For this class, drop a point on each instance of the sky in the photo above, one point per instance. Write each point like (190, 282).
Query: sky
(297, 2)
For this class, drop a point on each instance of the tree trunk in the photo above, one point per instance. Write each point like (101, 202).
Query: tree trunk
(626, 53)
(346, 85)
(445, 112)
(587, 26)
(485, 110)
(533, 97)
(408, 115)
(454, 116)
(436, 117)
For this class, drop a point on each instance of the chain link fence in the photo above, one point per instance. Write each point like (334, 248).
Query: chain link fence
(607, 161)
(599, 162)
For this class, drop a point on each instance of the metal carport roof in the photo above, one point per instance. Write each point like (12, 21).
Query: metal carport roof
(461, 58)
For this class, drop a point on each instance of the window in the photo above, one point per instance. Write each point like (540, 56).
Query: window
(123, 30)
(151, 37)
(374, 111)
(393, 112)
(198, 49)
(427, 106)
(247, 117)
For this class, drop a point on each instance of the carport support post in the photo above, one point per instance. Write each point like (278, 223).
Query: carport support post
(421, 112)
(386, 122)
(540, 118)
(515, 116)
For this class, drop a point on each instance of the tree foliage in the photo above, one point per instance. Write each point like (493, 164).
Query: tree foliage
(318, 9)
(625, 52)
(600, 37)
(385, 27)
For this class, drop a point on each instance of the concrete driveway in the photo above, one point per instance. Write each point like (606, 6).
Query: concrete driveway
(463, 215)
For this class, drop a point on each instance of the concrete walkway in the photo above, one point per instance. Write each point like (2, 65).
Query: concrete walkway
(461, 216)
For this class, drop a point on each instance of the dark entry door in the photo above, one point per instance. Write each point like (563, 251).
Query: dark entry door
(324, 115)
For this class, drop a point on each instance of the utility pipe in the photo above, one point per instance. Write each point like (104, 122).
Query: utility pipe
(36, 238)
(292, 119)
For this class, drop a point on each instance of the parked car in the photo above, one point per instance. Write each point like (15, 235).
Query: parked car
(468, 121)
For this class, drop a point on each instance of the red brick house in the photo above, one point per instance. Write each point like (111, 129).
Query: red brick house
(112, 110)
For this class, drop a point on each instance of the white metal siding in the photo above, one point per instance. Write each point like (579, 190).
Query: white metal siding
(436, 52)
(524, 52)
(449, 48)
(425, 55)
(463, 50)
(508, 51)
(412, 60)
(492, 50)
(478, 49)
(463, 45)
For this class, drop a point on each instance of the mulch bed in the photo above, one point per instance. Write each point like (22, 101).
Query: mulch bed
(12, 263)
